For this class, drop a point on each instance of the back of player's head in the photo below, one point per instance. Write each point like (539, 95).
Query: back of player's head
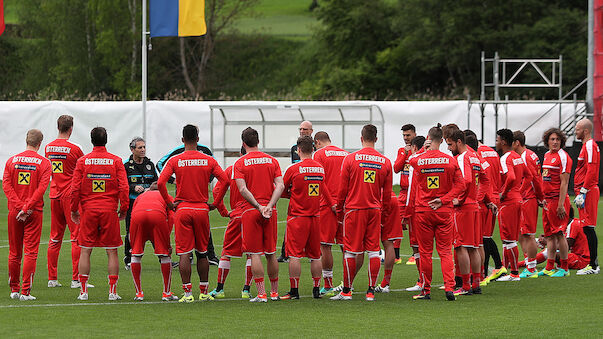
(98, 136)
(134, 141)
(409, 127)
(369, 133)
(190, 133)
(322, 136)
(305, 144)
(435, 133)
(471, 141)
(418, 141)
(469, 132)
(547, 135)
(506, 135)
(456, 135)
(448, 129)
(250, 137)
(519, 136)
(34, 137)
(64, 123)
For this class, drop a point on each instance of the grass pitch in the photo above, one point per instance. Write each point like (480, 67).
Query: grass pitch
(536, 308)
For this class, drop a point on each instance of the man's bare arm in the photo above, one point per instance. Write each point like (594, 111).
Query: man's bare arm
(246, 194)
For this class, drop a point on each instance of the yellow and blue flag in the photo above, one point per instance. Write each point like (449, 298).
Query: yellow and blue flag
(177, 18)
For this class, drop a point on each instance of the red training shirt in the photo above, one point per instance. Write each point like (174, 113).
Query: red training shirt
(305, 187)
(365, 174)
(531, 189)
(99, 182)
(330, 157)
(513, 171)
(493, 159)
(554, 164)
(580, 247)
(259, 170)
(236, 200)
(26, 177)
(63, 155)
(587, 168)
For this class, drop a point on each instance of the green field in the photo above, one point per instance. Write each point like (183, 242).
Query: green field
(541, 307)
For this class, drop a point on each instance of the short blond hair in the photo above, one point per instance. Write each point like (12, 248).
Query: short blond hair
(34, 137)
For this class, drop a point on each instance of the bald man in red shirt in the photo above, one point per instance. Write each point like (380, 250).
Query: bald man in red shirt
(26, 177)
(194, 171)
(99, 184)
(366, 185)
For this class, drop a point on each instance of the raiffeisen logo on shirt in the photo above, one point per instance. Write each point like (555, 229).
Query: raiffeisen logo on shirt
(369, 165)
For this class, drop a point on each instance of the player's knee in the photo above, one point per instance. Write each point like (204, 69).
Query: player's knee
(349, 255)
(136, 259)
(373, 254)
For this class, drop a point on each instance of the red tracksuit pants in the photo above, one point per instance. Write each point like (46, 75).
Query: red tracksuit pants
(23, 240)
(438, 226)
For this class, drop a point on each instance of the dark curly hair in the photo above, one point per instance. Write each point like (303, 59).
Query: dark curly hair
(554, 130)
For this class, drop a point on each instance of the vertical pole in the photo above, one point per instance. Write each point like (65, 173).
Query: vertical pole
(468, 111)
(482, 95)
(144, 68)
(560, 86)
(496, 80)
(590, 67)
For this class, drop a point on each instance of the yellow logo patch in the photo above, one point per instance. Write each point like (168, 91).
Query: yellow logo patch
(369, 176)
(476, 178)
(313, 190)
(407, 167)
(545, 172)
(433, 182)
(57, 166)
(24, 178)
(98, 186)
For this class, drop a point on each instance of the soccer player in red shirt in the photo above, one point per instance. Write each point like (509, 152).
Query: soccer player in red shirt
(366, 185)
(194, 171)
(556, 169)
(304, 185)
(586, 183)
(26, 177)
(416, 147)
(513, 173)
(99, 183)
(531, 192)
(260, 182)
(401, 166)
(331, 229)
(151, 220)
(233, 243)
(436, 180)
(466, 222)
(63, 155)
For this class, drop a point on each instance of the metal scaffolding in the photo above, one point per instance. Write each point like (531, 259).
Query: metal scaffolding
(506, 74)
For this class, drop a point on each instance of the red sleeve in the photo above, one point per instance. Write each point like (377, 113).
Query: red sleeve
(7, 184)
(42, 185)
(467, 178)
(277, 169)
(238, 171)
(166, 173)
(400, 160)
(222, 177)
(484, 190)
(76, 183)
(591, 179)
(510, 178)
(324, 191)
(124, 189)
(220, 190)
(387, 188)
(536, 180)
(458, 185)
(343, 183)
(287, 181)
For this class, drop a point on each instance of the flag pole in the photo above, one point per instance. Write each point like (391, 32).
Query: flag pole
(144, 68)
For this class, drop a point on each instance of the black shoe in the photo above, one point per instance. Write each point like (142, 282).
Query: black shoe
(282, 259)
(477, 290)
(127, 261)
(213, 260)
(290, 296)
(175, 264)
(316, 293)
(450, 296)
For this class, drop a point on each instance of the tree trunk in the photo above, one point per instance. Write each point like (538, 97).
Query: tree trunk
(132, 8)
(185, 73)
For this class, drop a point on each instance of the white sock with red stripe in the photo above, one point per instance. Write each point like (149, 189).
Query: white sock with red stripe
(374, 267)
(203, 286)
(83, 283)
(113, 283)
(166, 273)
(136, 268)
(328, 278)
(223, 269)
(349, 270)
(259, 285)
(294, 282)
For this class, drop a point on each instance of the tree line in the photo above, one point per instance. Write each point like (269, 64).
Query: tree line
(378, 49)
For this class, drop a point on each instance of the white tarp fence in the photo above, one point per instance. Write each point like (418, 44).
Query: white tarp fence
(164, 121)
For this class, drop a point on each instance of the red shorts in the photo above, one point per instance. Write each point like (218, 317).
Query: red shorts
(259, 234)
(550, 222)
(302, 238)
(99, 229)
(588, 214)
(192, 229)
(467, 229)
(330, 228)
(402, 204)
(412, 232)
(150, 226)
(576, 262)
(509, 217)
(391, 224)
(361, 231)
(529, 216)
(487, 221)
(233, 243)
(60, 218)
